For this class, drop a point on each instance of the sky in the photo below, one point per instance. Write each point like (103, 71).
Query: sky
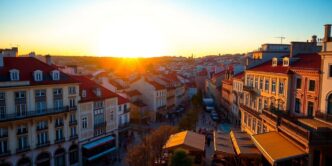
(131, 28)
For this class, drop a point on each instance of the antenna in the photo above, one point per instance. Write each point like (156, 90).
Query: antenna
(281, 38)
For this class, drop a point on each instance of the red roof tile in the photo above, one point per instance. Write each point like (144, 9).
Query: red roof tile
(26, 67)
(90, 86)
(122, 100)
(156, 85)
(134, 93)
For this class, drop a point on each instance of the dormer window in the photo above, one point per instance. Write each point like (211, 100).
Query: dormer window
(55, 75)
(274, 61)
(14, 75)
(83, 93)
(38, 75)
(285, 61)
(98, 92)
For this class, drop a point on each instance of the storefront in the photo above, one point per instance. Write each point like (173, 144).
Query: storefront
(102, 150)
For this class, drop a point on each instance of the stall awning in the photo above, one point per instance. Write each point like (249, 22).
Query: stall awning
(222, 144)
(275, 147)
(243, 145)
(98, 142)
(101, 154)
(188, 139)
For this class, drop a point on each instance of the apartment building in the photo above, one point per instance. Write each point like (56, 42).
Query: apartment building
(237, 95)
(97, 122)
(154, 95)
(37, 114)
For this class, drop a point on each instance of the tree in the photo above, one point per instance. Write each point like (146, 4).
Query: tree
(151, 147)
(180, 158)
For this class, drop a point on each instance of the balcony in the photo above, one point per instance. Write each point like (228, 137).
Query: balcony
(72, 108)
(59, 140)
(59, 124)
(250, 111)
(73, 137)
(324, 116)
(99, 125)
(23, 149)
(5, 153)
(270, 117)
(294, 130)
(43, 144)
(72, 122)
(31, 114)
(252, 90)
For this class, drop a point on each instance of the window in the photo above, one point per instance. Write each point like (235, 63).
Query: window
(274, 61)
(58, 134)
(3, 146)
(40, 93)
(2, 111)
(310, 108)
(256, 82)
(265, 103)
(58, 104)
(281, 87)
(260, 104)
(311, 85)
(2, 96)
(57, 91)
(297, 105)
(84, 122)
(267, 86)
(3, 132)
(98, 104)
(253, 127)
(119, 108)
(245, 118)
(22, 129)
(273, 86)
(20, 95)
(99, 116)
(285, 61)
(72, 102)
(259, 127)
(58, 122)
(72, 90)
(329, 104)
(330, 70)
(40, 106)
(42, 125)
(14, 75)
(72, 117)
(298, 83)
(22, 141)
(38, 75)
(2, 105)
(73, 131)
(83, 93)
(261, 84)
(42, 137)
(55, 75)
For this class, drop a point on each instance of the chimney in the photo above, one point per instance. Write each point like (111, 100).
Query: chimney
(48, 59)
(314, 39)
(32, 54)
(327, 33)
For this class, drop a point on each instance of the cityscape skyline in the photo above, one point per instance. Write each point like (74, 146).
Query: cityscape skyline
(156, 28)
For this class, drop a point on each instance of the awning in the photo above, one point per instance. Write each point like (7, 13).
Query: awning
(243, 145)
(101, 154)
(222, 144)
(275, 147)
(98, 142)
(186, 139)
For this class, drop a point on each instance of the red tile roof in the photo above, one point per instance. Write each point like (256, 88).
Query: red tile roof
(171, 76)
(310, 61)
(26, 67)
(122, 100)
(90, 86)
(134, 93)
(156, 85)
(115, 84)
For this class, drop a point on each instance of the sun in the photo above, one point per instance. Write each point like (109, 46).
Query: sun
(131, 38)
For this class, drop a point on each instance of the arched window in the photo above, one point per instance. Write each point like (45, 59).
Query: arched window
(43, 159)
(14, 75)
(59, 157)
(329, 104)
(73, 154)
(38, 75)
(24, 162)
(55, 75)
